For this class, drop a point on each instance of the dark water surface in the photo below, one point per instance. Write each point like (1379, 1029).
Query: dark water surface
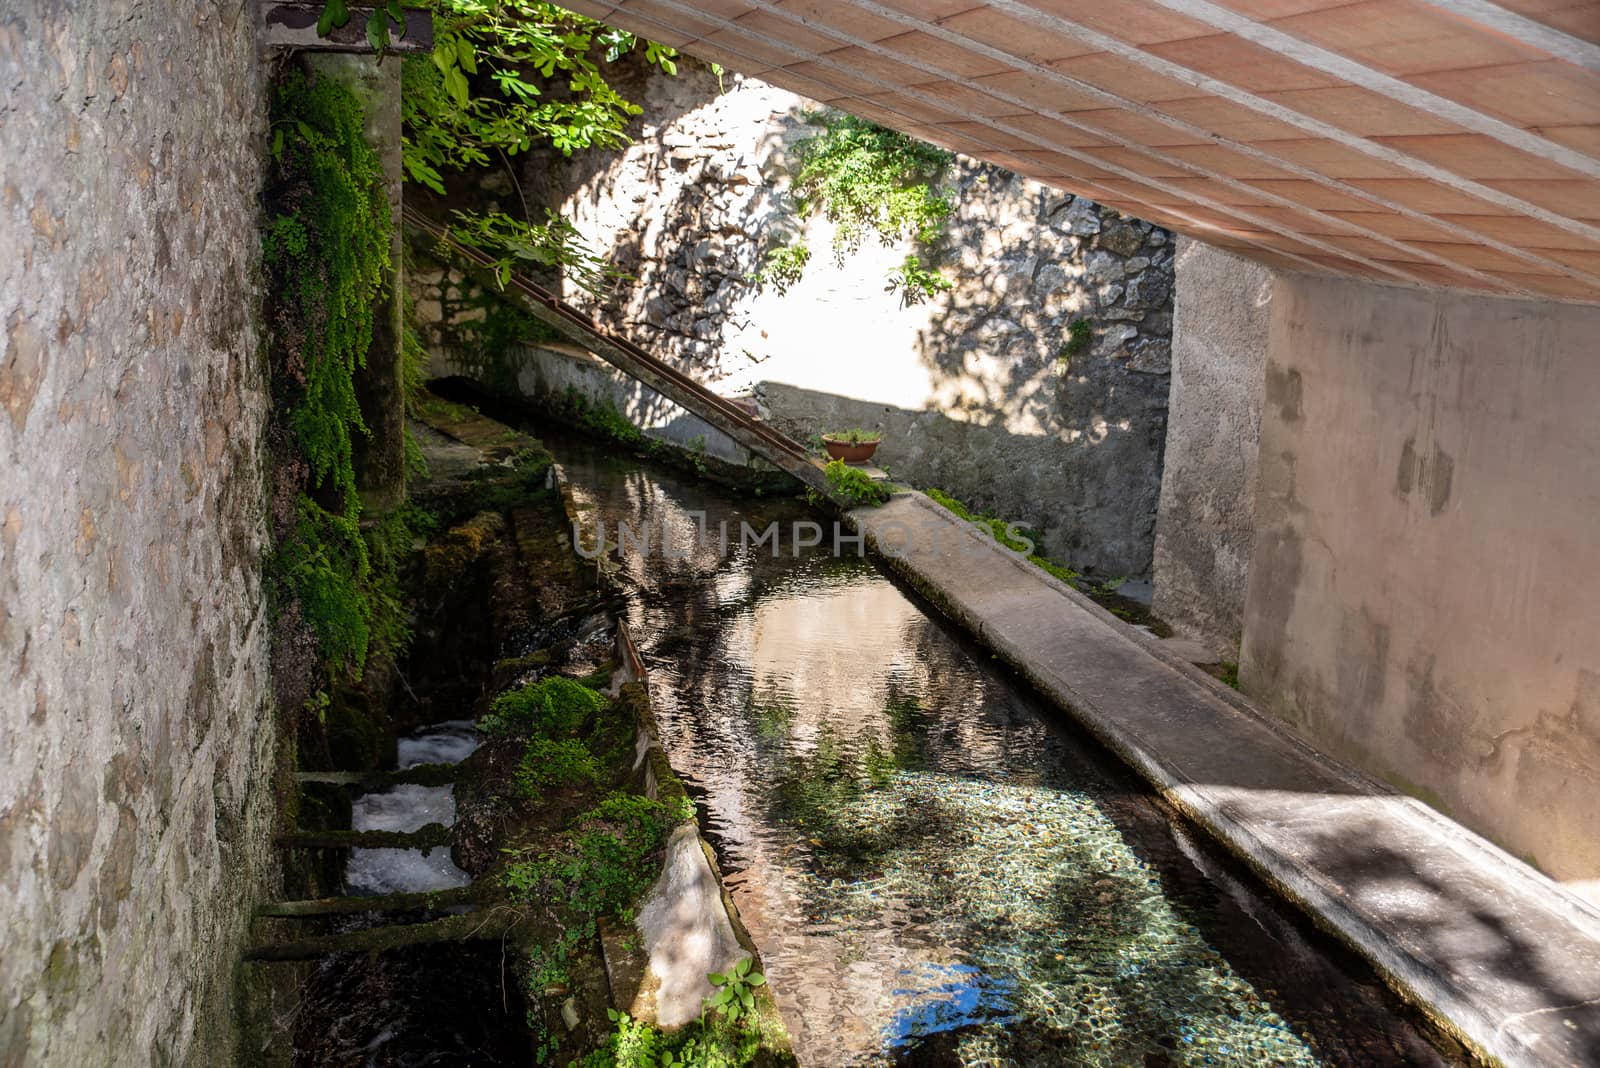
(938, 868)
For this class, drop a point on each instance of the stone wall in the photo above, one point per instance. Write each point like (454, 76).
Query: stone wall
(1205, 531)
(970, 388)
(1424, 596)
(135, 735)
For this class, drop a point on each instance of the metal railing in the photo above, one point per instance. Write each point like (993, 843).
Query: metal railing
(786, 448)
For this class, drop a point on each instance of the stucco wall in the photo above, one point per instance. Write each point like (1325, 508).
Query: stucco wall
(970, 386)
(1205, 527)
(1424, 596)
(135, 740)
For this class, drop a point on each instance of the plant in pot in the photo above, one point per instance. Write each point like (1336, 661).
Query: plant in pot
(851, 446)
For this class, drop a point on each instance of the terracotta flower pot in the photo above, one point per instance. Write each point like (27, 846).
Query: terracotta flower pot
(849, 452)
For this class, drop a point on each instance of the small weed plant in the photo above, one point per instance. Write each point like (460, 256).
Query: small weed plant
(856, 487)
(1079, 336)
(735, 994)
(854, 436)
(550, 762)
(725, 1036)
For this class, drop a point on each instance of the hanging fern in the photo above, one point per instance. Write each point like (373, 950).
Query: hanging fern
(326, 250)
(866, 178)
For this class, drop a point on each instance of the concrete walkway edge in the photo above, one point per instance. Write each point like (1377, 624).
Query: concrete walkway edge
(1495, 952)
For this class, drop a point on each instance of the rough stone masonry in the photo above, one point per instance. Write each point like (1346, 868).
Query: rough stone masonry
(971, 390)
(135, 735)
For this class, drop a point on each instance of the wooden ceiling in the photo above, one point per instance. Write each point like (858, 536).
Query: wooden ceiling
(1446, 143)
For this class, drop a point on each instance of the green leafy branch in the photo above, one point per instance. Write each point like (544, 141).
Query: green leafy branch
(336, 13)
(503, 77)
(915, 283)
(519, 244)
(865, 178)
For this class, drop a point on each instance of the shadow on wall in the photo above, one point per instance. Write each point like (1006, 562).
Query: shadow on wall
(692, 208)
(1027, 262)
(688, 212)
(1035, 480)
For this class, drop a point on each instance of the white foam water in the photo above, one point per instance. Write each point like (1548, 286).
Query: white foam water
(449, 742)
(410, 808)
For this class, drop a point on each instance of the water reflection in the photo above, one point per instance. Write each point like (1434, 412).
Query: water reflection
(933, 867)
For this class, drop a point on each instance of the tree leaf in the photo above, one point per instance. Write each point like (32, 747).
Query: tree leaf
(757, 979)
(743, 967)
(378, 29)
(334, 14)
(456, 83)
(466, 55)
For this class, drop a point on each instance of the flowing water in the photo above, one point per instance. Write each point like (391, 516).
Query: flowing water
(410, 808)
(937, 868)
(433, 1005)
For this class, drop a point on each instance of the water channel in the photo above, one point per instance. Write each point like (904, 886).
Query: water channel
(430, 1006)
(938, 868)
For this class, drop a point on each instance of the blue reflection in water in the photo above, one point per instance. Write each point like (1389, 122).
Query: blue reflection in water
(950, 997)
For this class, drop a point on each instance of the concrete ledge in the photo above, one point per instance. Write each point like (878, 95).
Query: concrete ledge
(1498, 954)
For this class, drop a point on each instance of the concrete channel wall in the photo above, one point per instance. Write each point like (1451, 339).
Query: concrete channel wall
(1387, 501)
(1424, 594)
(1205, 529)
(552, 372)
(136, 730)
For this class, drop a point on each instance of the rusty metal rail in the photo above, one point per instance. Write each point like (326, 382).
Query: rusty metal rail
(635, 361)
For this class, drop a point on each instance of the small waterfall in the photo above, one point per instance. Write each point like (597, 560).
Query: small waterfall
(409, 808)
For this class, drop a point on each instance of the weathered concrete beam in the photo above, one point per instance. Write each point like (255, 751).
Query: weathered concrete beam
(425, 838)
(421, 775)
(471, 926)
(294, 25)
(433, 900)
